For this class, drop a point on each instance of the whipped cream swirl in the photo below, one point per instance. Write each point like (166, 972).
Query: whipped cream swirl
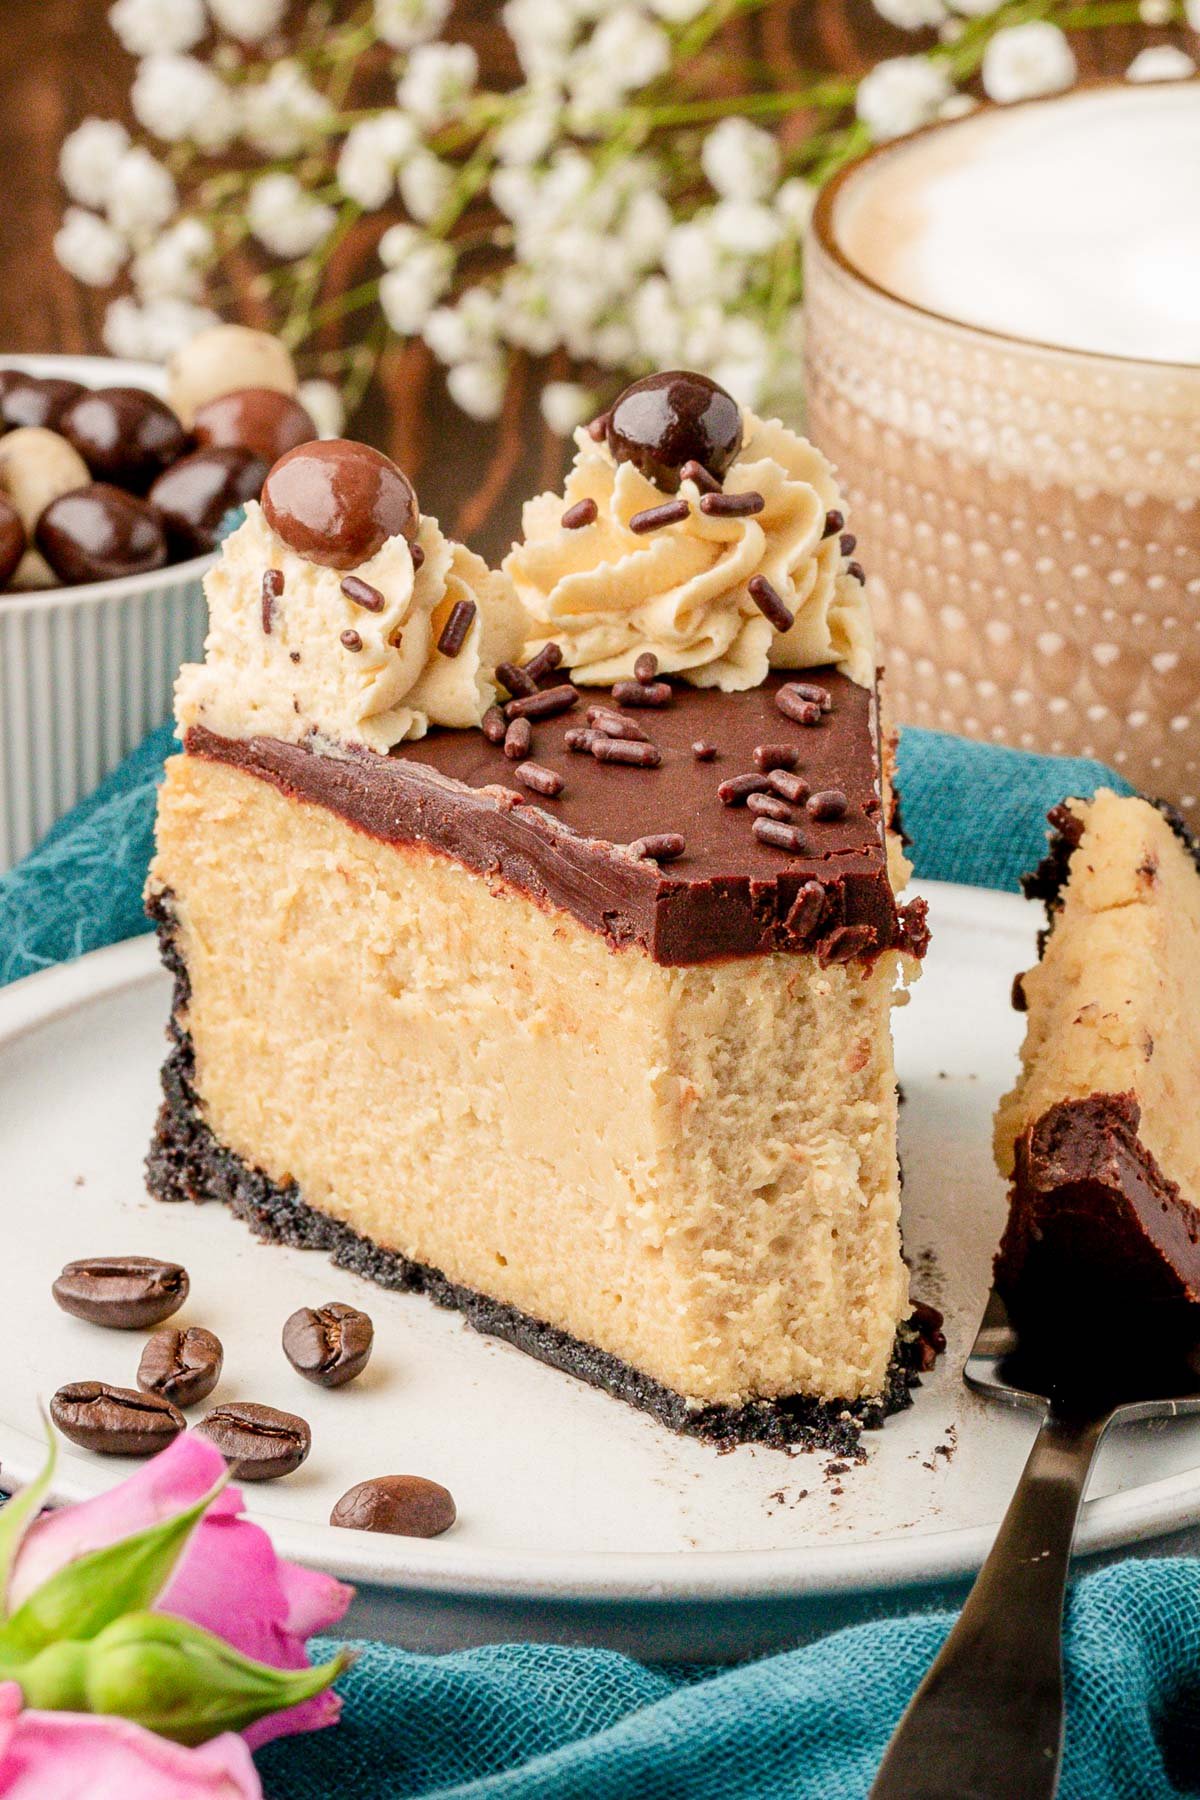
(329, 666)
(605, 593)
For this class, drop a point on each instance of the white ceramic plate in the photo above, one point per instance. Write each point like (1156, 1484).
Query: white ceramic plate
(579, 1519)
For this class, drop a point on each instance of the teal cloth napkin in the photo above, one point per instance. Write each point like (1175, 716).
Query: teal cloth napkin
(530, 1722)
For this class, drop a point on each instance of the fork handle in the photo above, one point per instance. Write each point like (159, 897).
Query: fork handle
(987, 1721)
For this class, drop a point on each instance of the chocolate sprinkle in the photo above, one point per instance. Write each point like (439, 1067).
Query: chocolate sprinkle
(769, 806)
(543, 703)
(578, 737)
(646, 667)
(731, 506)
(699, 476)
(653, 518)
(518, 681)
(541, 779)
(454, 631)
(363, 594)
(597, 427)
(859, 573)
(780, 836)
(642, 693)
(808, 690)
(660, 846)
(848, 543)
(806, 910)
(793, 705)
(775, 756)
(738, 788)
(830, 803)
(517, 740)
(704, 752)
(788, 786)
(770, 603)
(351, 639)
(543, 661)
(616, 725)
(272, 588)
(834, 522)
(584, 512)
(418, 556)
(494, 725)
(620, 750)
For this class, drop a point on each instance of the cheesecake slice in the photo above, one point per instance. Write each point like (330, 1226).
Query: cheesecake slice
(560, 1038)
(1098, 1138)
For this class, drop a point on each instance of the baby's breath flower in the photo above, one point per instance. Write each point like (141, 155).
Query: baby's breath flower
(900, 94)
(88, 248)
(425, 184)
(438, 79)
(1161, 62)
(1156, 12)
(957, 106)
(370, 157)
(794, 203)
(405, 23)
(179, 99)
(1025, 61)
(478, 387)
(1191, 12)
(248, 20)
(542, 32)
(529, 133)
(153, 331)
(142, 196)
(741, 160)
(173, 264)
(467, 332)
(678, 12)
(286, 219)
(566, 404)
(284, 113)
(745, 228)
(625, 52)
(524, 314)
(88, 160)
(323, 404)
(415, 281)
(149, 26)
(911, 15)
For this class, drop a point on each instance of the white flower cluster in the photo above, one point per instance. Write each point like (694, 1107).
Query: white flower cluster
(1020, 62)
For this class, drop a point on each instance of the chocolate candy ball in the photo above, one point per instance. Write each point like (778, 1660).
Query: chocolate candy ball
(257, 419)
(34, 400)
(337, 502)
(97, 532)
(667, 420)
(12, 541)
(194, 494)
(123, 434)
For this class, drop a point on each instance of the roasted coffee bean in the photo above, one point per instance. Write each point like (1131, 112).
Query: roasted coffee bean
(403, 1505)
(115, 1421)
(183, 1366)
(97, 532)
(338, 502)
(329, 1344)
(36, 399)
(664, 421)
(123, 434)
(194, 495)
(257, 419)
(125, 1292)
(257, 1442)
(12, 540)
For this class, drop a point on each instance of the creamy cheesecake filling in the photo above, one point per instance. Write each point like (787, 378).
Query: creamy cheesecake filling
(1111, 1004)
(714, 1197)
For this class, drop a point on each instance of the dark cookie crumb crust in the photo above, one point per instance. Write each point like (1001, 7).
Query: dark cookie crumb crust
(187, 1162)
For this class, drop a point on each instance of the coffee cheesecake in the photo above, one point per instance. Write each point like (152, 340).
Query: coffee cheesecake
(1097, 1137)
(535, 930)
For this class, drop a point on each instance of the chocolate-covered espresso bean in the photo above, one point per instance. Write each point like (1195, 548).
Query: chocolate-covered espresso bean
(124, 1292)
(12, 540)
(403, 1505)
(258, 1442)
(123, 434)
(95, 533)
(184, 1366)
(115, 1421)
(329, 1345)
(258, 419)
(665, 421)
(337, 502)
(194, 495)
(36, 399)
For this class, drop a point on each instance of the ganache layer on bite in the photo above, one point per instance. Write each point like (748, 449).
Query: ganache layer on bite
(728, 895)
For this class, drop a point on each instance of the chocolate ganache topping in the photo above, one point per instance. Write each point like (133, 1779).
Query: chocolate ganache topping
(666, 421)
(337, 503)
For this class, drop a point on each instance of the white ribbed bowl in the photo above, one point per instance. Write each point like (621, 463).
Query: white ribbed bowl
(86, 671)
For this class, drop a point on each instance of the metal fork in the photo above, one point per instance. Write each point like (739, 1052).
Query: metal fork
(987, 1721)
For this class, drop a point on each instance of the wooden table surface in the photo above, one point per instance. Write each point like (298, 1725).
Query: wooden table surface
(59, 62)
